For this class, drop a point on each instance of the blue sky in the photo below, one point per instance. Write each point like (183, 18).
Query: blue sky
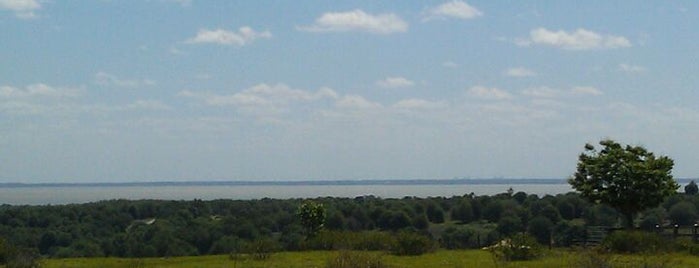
(103, 91)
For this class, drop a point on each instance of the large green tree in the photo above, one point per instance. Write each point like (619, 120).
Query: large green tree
(627, 178)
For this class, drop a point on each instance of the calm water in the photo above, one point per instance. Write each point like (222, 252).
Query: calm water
(84, 194)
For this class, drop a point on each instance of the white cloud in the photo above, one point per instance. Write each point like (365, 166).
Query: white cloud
(148, 105)
(357, 20)
(541, 92)
(38, 90)
(586, 91)
(356, 102)
(106, 79)
(417, 104)
(453, 9)
(261, 95)
(520, 72)
(450, 64)
(550, 93)
(628, 68)
(244, 36)
(23, 9)
(581, 39)
(395, 82)
(482, 92)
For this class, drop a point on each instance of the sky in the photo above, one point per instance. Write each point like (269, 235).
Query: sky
(174, 90)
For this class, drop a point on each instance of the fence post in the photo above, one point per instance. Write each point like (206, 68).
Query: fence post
(550, 238)
(676, 231)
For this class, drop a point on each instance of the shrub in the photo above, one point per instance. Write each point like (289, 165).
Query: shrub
(409, 243)
(14, 257)
(509, 225)
(683, 213)
(517, 248)
(540, 227)
(261, 249)
(686, 244)
(635, 242)
(24, 258)
(457, 237)
(355, 259)
(566, 233)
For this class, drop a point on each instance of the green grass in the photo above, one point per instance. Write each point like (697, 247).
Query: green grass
(441, 258)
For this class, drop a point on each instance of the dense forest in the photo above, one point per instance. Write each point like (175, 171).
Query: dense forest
(146, 228)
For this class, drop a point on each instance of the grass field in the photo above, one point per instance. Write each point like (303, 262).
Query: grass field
(442, 258)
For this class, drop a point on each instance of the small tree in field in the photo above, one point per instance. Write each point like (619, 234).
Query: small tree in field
(312, 216)
(627, 178)
(691, 188)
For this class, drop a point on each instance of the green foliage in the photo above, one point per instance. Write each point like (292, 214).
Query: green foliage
(261, 249)
(410, 243)
(435, 214)
(519, 247)
(565, 234)
(540, 228)
(312, 216)
(14, 257)
(155, 228)
(635, 242)
(509, 225)
(629, 178)
(355, 259)
(462, 212)
(459, 237)
(683, 213)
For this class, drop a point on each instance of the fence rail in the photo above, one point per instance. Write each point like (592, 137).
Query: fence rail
(594, 235)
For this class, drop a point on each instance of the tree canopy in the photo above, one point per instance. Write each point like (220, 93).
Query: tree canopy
(627, 178)
(312, 216)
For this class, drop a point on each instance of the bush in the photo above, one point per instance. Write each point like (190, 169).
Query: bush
(635, 242)
(24, 258)
(683, 213)
(509, 225)
(565, 234)
(261, 249)
(519, 247)
(540, 227)
(457, 237)
(355, 259)
(409, 243)
(14, 257)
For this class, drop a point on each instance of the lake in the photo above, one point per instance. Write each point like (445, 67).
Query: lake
(42, 195)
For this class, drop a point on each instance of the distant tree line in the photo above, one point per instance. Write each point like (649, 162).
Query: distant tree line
(146, 228)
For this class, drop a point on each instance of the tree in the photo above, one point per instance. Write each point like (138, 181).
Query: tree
(435, 214)
(691, 188)
(627, 178)
(312, 216)
(462, 212)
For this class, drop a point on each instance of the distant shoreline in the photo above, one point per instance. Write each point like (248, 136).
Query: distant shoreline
(497, 181)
